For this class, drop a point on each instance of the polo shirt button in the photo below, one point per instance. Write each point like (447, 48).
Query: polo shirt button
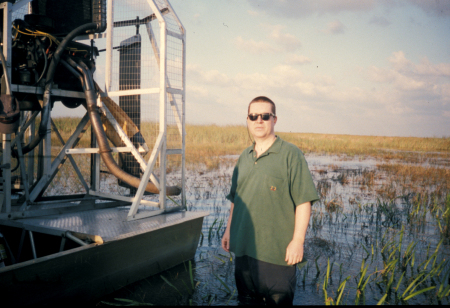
(256, 163)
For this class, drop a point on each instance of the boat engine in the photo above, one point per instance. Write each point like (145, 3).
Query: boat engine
(34, 43)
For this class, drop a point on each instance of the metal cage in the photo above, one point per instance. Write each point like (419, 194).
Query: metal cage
(140, 78)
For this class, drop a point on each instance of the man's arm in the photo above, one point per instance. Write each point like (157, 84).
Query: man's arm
(226, 235)
(294, 251)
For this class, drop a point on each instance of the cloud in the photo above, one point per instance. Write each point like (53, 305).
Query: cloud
(334, 27)
(440, 8)
(254, 47)
(278, 41)
(254, 13)
(400, 63)
(294, 9)
(198, 91)
(296, 59)
(201, 77)
(379, 21)
(287, 40)
(415, 88)
(280, 79)
(427, 68)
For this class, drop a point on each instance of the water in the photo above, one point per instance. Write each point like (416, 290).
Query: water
(345, 227)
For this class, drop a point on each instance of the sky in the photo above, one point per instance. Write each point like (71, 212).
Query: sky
(337, 67)
(358, 67)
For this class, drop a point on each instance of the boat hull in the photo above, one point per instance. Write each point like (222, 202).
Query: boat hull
(88, 272)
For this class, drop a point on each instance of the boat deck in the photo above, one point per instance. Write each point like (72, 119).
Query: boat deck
(108, 223)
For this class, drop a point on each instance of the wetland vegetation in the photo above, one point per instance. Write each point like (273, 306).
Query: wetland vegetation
(379, 234)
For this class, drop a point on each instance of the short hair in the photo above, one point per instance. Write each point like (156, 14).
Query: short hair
(263, 99)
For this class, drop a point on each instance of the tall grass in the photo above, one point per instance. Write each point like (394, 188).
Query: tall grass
(361, 145)
(208, 143)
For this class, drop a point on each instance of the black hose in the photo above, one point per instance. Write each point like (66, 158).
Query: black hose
(45, 112)
(104, 148)
(16, 167)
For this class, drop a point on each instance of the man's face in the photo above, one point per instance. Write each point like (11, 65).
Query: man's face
(259, 128)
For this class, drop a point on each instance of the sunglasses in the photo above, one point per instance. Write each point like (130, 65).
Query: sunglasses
(264, 116)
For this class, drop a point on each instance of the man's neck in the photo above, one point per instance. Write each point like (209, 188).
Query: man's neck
(263, 144)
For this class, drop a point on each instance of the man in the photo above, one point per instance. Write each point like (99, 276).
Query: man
(271, 195)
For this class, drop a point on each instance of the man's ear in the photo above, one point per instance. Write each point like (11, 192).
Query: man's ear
(275, 118)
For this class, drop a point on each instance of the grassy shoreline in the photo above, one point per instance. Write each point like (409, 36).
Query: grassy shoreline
(319, 143)
(235, 138)
(212, 141)
(209, 143)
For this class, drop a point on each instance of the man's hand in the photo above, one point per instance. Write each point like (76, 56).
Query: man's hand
(226, 235)
(226, 240)
(294, 252)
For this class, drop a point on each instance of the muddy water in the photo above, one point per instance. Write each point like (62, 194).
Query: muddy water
(347, 229)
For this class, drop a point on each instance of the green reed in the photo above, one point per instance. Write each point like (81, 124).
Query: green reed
(401, 277)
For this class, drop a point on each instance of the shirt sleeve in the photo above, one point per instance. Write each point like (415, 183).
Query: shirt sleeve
(302, 187)
(230, 196)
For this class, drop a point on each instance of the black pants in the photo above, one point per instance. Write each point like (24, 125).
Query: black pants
(258, 281)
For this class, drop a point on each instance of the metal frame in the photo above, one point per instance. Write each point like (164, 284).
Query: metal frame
(47, 168)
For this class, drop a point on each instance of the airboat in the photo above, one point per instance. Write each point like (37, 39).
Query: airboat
(121, 217)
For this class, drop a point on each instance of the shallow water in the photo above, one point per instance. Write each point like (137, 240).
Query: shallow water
(345, 237)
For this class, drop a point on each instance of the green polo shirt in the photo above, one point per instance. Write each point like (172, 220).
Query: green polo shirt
(265, 192)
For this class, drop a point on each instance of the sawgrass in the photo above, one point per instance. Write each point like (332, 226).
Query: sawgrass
(208, 144)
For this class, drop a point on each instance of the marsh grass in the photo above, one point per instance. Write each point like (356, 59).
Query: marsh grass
(401, 239)
(207, 144)
(404, 272)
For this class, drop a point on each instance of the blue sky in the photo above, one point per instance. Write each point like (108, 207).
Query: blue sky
(344, 67)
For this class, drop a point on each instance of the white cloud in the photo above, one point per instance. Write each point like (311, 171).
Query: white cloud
(420, 89)
(255, 47)
(197, 91)
(296, 59)
(394, 78)
(254, 82)
(425, 68)
(278, 41)
(254, 13)
(334, 27)
(280, 79)
(399, 62)
(211, 77)
(288, 41)
(294, 9)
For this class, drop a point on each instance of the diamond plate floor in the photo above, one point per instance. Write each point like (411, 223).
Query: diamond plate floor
(111, 223)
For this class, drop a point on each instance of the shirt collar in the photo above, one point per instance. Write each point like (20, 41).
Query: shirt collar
(274, 148)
